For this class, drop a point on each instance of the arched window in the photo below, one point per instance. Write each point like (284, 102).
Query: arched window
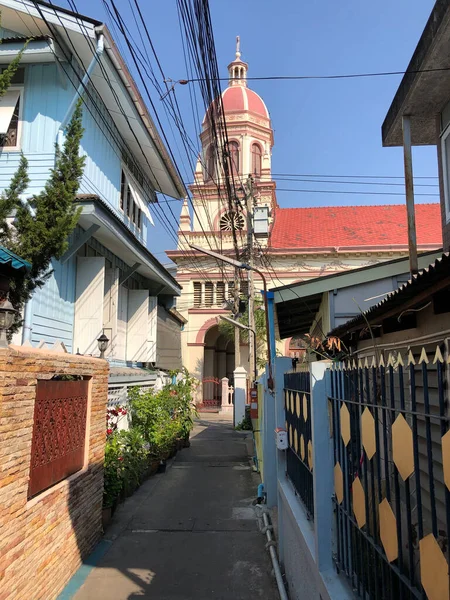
(210, 166)
(256, 160)
(233, 149)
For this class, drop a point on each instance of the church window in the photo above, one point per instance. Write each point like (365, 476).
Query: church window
(233, 150)
(232, 221)
(256, 160)
(210, 163)
(197, 294)
(220, 292)
(209, 293)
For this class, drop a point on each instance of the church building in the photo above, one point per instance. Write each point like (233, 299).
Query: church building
(290, 244)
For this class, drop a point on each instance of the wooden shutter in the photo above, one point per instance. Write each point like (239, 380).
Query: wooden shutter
(152, 328)
(137, 330)
(122, 319)
(90, 289)
(110, 309)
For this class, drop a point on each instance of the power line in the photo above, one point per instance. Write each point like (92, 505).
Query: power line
(325, 77)
(352, 192)
(346, 181)
(355, 176)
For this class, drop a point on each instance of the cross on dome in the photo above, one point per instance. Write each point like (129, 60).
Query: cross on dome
(237, 69)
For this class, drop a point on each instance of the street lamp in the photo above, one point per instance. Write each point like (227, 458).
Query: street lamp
(241, 265)
(102, 342)
(245, 327)
(7, 315)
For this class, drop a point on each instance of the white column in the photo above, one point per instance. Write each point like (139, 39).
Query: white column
(226, 407)
(240, 394)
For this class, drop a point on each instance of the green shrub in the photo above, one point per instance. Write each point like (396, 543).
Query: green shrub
(158, 420)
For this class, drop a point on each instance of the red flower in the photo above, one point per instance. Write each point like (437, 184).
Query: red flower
(109, 431)
(124, 412)
(120, 457)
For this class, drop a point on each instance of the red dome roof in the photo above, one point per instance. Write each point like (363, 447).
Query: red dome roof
(239, 97)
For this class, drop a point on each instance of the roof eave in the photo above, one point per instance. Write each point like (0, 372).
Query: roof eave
(133, 90)
(421, 94)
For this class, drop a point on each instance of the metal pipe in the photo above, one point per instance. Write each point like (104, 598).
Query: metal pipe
(409, 189)
(78, 94)
(273, 555)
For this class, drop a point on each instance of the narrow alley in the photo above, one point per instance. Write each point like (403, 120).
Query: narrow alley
(190, 533)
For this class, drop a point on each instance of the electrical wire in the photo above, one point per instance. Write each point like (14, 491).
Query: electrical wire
(336, 76)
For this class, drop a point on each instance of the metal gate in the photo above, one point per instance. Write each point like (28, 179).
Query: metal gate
(212, 394)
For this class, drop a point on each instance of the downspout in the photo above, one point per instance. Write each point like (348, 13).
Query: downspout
(28, 312)
(80, 90)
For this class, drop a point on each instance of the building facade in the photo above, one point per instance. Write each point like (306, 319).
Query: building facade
(107, 281)
(301, 243)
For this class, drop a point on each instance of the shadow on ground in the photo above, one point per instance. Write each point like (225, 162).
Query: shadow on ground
(190, 533)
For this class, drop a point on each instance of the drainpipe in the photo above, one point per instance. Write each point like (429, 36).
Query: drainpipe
(80, 90)
(409, 189)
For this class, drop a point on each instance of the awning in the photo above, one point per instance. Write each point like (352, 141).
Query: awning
(139, 201)
(7, 105)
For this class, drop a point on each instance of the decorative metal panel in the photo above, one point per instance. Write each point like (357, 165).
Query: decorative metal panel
(391, 447)
(59, 432)
(298, 424)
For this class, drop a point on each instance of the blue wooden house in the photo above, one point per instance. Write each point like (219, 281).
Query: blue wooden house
(108, 279)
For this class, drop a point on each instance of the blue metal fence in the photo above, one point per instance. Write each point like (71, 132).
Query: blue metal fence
(392, 468)
(297, 397)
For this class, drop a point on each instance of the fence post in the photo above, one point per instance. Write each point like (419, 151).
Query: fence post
(322, 451)
(274, 460)
(240, 393)
(226, 406)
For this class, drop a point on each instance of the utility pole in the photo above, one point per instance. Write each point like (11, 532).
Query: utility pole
(251, 286)
(237, 335)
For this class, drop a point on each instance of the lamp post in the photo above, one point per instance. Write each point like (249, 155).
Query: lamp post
(7, 315)
(245, 327)
(102, 342)
(240, 265)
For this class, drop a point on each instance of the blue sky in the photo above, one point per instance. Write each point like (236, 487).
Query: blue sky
(321, 127)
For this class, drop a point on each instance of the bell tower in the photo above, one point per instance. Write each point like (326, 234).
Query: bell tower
(250, 142)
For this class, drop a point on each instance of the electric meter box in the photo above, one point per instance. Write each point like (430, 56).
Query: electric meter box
(261, 221)
(281, 438)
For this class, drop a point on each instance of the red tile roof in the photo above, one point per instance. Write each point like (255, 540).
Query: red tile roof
(354, 226)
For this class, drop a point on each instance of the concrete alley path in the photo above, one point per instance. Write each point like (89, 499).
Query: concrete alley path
(191, 533)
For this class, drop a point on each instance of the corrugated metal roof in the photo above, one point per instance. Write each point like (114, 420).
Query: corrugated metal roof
(425, 279)
(10, 259)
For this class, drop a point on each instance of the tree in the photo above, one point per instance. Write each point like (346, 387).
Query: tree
(7, 75)
(42, 225)
(227, 330)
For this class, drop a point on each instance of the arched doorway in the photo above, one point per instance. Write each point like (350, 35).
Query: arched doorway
(218, 362)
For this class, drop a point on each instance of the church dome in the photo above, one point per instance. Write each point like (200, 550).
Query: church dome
(240, 98)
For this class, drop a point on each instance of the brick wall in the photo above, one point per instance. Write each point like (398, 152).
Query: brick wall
(43, 540)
